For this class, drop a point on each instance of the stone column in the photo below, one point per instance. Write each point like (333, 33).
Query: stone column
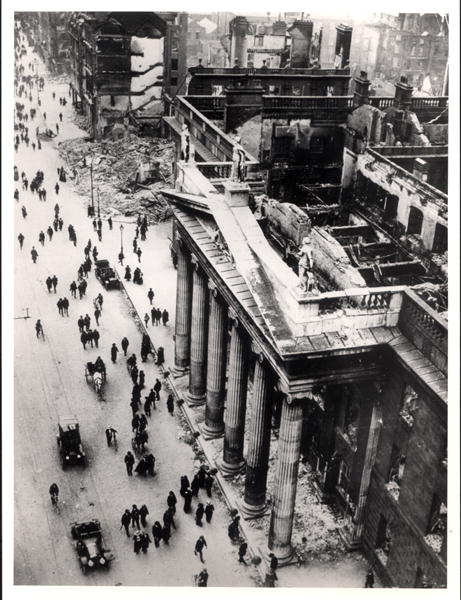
(288, 454)
(216, 365)
(234, 419)
(199, 334)
(183, 310)
(254, 503)
(355, 539)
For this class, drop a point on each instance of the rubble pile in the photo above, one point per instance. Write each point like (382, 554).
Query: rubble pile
(116, 166)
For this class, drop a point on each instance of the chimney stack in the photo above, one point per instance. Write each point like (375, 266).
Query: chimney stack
(361, 90)
(403, 93)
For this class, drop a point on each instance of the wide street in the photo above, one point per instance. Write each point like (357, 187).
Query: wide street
(50, 381)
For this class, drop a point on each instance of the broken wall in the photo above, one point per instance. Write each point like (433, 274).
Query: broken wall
(150, 70)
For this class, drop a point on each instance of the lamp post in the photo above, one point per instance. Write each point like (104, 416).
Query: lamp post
(121, 239)
(99, 209)
(91, 212)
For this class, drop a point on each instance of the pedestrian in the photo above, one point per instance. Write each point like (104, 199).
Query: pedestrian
(139, 252)
(50, 232)
(81, 324)
(199, 545)
(160, 356)
(125, 343)
(54, 281)
(126, 520)
(134, 406)
(109, 221)
(49, 284)
(137, 538)
(157, 533)
(84, 339)
(150, 295)
(187, 500)
(97, 314)
(59, 305)
(135, 516)
(184, 485)
(146, 319)
(73, 289)
(233, 528)
(157, 388)
(166, 533)
(242, 551)
(56, 188)
(171, 501)
(60, 117)
(152, 397)
(24, 213)
(127, 273)
(109, 434)
(145, 542)
(121, 256)
(57, 128)
(39, 329)
(113, 353)
(100, 300)
(370, 579)
(61, 223)
(142, 422)
(146, 406)
(87, 320)
(129, 462)
(209, 510)
(195, 485)
(168, 518)
(209, 480)
(271, 578)
(96, 337)
(65, 306)
(142, 378)
(200, 511)
(134, 376)
(202, 578)
(41, 238)
(143, 512)
(165, 317)
(274, 562)
(135, 423)
(170, 404)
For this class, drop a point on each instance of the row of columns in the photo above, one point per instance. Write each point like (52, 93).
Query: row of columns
(201, 347)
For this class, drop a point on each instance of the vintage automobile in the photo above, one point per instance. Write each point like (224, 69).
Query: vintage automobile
(106, 274)
(89, 545)
(69, 442)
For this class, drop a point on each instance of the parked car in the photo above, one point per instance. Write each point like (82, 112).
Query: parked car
(89, 545)
(69, 442)
(106, 274)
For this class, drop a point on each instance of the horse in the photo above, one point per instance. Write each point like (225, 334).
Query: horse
(98, 382)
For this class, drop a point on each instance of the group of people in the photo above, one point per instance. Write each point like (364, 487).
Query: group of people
(157, 315)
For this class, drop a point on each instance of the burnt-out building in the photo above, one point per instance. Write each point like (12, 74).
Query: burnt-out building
(121, 63)
(352, 370)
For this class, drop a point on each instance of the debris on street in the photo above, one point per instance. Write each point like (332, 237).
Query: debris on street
(128, 174)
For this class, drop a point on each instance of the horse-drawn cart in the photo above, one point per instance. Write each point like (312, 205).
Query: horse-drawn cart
(95, 373)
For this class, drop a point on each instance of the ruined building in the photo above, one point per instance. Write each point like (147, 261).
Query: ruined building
(315, 304)
(49, 29)
(121, 63)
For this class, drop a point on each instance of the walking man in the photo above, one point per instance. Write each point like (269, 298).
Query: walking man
(113, 353)
(199, 545)
(129, 462)
(125, 344)
(209, 510)
(150, 295)
(97, 314)
(21, 240)
(126, 520)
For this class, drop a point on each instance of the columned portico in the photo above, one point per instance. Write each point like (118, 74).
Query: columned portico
(199, 335)
(254, 503)
(216, 364)
(234, 417)
(288, 455)
(183, 310)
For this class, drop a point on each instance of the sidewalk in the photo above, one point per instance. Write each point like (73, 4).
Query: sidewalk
(340, 569)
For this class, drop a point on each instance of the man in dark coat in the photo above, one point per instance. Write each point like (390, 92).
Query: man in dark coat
(242, 551)
(135, 516)
(150, 295)
(97, 314)
(200, 511)
(113, 353)
(199, 545)
(184, 484)
(166, 533)
(157, 533)
(126, 520)
(65, 306)
(54, 281)
(150, 462)
(187, 495)
(49, 284)
(84, 339)
(209, 510)
(171, 501)
(145, 542)
(81, 324)
(87, 320)
(129, 462)
(202, 578)
(195, 485)
(137, 540)
(147, 405)
(209, 480)
(157, 388)
(165, 317)
(21, 241)
(152, 398)
(143, 511)
(168, 518)
(125, 344)
(135, 422)
(73, 289)
(370, 579)
(96, 337)
(170, 404)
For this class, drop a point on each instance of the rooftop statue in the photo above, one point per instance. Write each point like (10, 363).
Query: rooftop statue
(185, 144)
(239, 169)
(306, 266)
